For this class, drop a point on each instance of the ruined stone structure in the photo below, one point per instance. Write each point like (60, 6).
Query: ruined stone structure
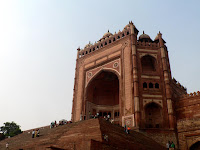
(129, 78)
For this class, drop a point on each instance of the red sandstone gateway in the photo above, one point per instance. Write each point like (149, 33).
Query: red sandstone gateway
(129, 78)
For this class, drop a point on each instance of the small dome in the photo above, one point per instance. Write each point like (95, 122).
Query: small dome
(88, 45)
(107, 34)
(144, 36)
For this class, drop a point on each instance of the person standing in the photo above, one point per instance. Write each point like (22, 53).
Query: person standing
(125, 127)
(98, 115)
(33, 133)
(108, 117)
(172, 145)
(7, 145)
(38, 132)
(128, 130)
(55, 123)
(168, 145)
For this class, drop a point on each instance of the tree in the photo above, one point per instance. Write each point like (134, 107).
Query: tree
(10, 129)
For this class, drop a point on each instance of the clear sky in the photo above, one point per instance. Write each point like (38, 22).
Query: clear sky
(39, 38)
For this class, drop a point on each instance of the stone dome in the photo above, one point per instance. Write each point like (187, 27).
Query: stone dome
(88, 45)
(144, 36)
(107, 34)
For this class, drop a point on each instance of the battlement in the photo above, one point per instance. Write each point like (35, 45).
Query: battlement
(178, 84)
(109, 38)
(105, 41)
(191, 95)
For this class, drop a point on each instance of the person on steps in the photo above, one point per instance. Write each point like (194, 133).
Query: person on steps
(33, 133)
(172, 145)
(168, 145)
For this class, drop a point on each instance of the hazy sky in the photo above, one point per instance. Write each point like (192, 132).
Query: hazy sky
(39, 38)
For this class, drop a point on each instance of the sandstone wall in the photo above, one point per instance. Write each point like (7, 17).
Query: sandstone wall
(188, 120)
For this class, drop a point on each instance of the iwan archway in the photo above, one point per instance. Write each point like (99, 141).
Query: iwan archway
(102, 95)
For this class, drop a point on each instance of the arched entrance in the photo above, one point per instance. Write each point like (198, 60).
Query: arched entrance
(153, 116)
(102, 95)
(195, 146)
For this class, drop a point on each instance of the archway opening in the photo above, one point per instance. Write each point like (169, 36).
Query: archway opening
(148, 63)
(103, 96)
(195, 146)
(153, 116)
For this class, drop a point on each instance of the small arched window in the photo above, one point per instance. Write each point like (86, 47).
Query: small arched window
(144, 85)
(90, 50)
(123, 35)
(113, 39)
(118, 37)
(94, 49)
(101, 45)
(109, 41)
(86, 52)
(157, 86)
(105, 43)
(150, 85)
(127, 33)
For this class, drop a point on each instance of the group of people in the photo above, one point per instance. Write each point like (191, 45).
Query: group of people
(35, 133)
(106, 117)
(61, 122)
(53, 124)
(170, 145)
(93, 116)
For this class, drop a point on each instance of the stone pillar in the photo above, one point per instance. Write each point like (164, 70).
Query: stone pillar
(136, 100)
(136, 88)
(167, 82)
(74, 90)
(79, 93)
(127, 78)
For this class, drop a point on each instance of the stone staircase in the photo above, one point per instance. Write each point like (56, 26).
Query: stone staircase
(83, 135)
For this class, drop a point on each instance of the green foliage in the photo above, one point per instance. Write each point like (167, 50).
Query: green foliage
(10, 129)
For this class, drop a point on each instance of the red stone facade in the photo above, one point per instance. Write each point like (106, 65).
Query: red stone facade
(129, 78)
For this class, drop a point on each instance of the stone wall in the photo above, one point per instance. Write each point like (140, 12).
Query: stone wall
(188, 132)
(162, 137)
(188, 120)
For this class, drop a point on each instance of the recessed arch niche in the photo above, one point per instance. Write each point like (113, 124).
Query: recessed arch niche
(102, 94)
(153, 115)
(148, 63)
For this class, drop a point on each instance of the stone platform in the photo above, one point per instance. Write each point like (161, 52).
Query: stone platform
(93, 134)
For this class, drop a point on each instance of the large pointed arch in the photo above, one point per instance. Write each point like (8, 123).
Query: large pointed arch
(102, 94)
(195, 146)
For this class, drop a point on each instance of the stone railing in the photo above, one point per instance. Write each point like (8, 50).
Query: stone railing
(147, 44)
